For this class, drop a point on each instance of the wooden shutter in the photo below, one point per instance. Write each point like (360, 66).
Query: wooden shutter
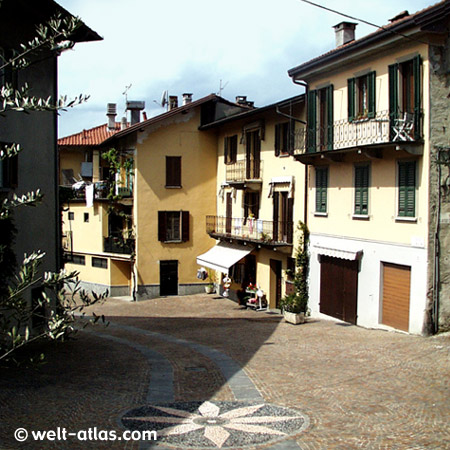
(185, 226)
(362, 190)
(417, 62)
(276, 214)
(393, 98)
(173, 171)
(162, 226)
(311, 138)
(321, 189)
(330, 116)
(227, 150)
(371, 85)
(407, 189)
(278, 139)
(351, 98)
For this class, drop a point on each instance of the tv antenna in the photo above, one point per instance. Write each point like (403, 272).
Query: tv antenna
(221, 88)
(125, 92)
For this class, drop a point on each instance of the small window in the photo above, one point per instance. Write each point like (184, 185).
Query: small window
(99, 262)
(321, 189)
(362, 190)
(173, 226)
(71, 215)
(79, 259)
(283, 139)
(86, 217)
(407, 189)
(173, 171)
(230, 149)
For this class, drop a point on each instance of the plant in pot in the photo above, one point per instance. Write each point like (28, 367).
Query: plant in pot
(209, 288)
(295, 305)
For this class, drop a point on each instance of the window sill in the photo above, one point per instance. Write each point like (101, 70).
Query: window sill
(361, 217)
(172, 242)
(321, 214)
(173, 187)
(406, 219)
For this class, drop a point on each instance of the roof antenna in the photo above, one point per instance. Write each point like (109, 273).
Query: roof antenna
(125, 92)
(221, 88)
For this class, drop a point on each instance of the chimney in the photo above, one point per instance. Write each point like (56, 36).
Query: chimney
(187, 98)
(123, 123)
(345, 32)
(135, 107)
(111, 111)
(173, 102)
(242, 101)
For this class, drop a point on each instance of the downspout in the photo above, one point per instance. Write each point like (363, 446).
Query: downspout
(436, 274)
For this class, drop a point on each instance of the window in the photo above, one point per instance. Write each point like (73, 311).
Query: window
(9, 170)
(78, 259)
(173, 171)
(71, 215)
(361, 97)
(86, 217)
(283, 216)
(320, 119)
(173, 226)
(407, 189)
(230, 149)
(405, 94)
(362, 190)
(321, 189)
(99, 262)
(283, 138)
(253, 155)
(251, 204)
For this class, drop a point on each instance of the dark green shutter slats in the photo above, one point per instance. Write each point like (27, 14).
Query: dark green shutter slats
(351, 98)
(371, 77)
(407, 189)
(362, 190)
(311, 119)
(393, 98)
(321, 189)
(417, 62)
(330, 124)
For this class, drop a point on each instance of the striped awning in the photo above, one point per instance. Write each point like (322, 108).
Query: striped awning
(338, 253)
(223, 256)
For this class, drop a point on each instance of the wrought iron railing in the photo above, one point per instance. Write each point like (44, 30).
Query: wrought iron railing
(118, 244)
(244, 170)
(254, 230)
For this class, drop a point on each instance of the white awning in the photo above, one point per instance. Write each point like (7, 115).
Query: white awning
(337, 253)
(223, 256)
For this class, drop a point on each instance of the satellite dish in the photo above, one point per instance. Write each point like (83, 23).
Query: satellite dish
(164, 98)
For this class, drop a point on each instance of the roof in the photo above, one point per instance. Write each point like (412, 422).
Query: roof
(421, 18)
(254, 111)
(173, 112)
(93, 136)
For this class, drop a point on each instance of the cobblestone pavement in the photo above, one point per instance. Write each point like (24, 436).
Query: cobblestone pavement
(205, 373)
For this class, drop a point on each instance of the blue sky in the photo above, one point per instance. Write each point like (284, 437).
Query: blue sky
(190, 46)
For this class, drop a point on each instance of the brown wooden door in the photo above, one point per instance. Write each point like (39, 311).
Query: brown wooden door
(396, 295)
(253, 155)
(276, 267)
(339, 288)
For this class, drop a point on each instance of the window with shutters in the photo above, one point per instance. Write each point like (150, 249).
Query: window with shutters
(361, 190)
(173, 171)
(321, 189)
(407, 189)
(230, 149)
(283, 138)
(361, 97)
(173, 226)
(320, 127)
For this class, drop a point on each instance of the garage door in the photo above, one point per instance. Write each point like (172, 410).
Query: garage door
(339, 288)
(396, 291)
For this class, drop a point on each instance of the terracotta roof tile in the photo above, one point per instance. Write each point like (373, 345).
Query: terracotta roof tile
(93, 136)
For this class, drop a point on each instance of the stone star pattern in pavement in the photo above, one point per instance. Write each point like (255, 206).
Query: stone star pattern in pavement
(219, 424)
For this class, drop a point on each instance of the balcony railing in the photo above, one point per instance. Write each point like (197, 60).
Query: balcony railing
(101, 191)
(118, 244)
(251, 230)
(380, 129)
(244, 170)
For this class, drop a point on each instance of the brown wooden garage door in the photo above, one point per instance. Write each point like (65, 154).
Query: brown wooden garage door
(338, 288)
(396, 292)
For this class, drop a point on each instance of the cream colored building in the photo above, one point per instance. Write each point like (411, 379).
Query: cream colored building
(370, 155)
(259, 196)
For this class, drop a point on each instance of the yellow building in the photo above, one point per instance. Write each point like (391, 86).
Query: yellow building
(370, 153)
(259, 199)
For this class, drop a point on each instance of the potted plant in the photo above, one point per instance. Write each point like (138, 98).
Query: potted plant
(209, 288)
(295, 305)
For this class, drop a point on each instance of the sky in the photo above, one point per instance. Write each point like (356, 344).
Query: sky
(198, 46)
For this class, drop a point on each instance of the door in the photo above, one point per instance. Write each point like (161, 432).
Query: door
(275, 281)
(228, 213)
(253, 155)
(339, 288)
(396, 295)
(168, 278)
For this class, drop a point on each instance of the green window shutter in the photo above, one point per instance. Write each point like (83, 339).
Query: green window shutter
(371, 77)
(417, 62)
(321, 189)
(312, 122)
(362, 190)
(407, 189)
(351, 98)
(330, 124)
(393, 98)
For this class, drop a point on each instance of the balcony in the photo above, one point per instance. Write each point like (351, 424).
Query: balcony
(244, 172)
(369, 134)
(102, 190)
(118, 244)
(262, 232)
